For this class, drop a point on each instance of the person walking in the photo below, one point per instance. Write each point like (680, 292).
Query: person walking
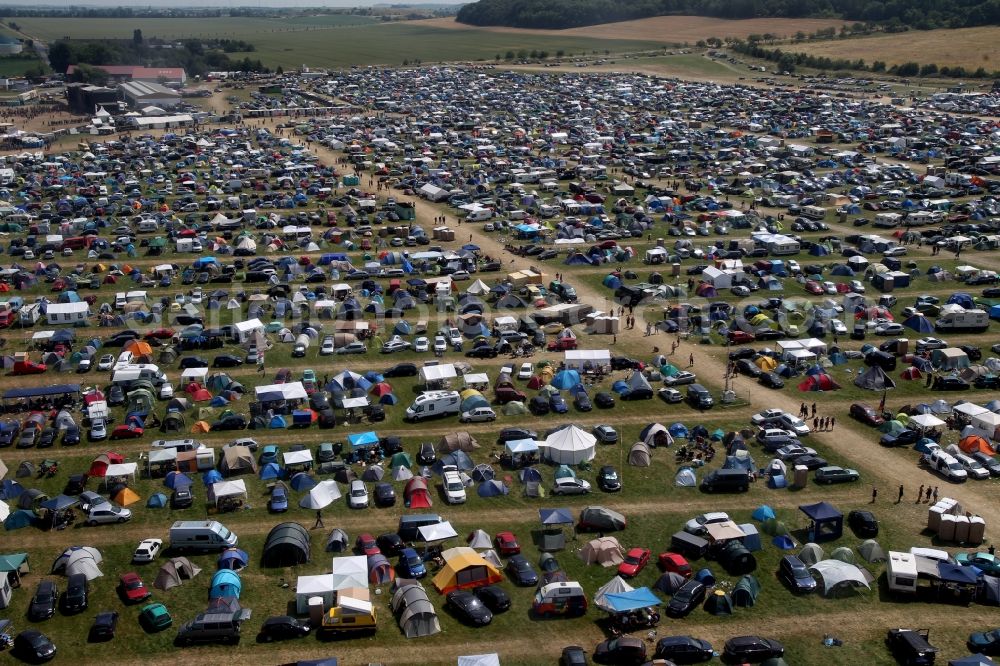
(920, 494)
(319, 519)
(928, 493)
(874, 494)
(814, 409)
(833, 422)
(815, 424)
(690, 360)
(935, 494)
(900, 497)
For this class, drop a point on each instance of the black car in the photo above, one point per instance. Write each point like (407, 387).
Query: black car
(76, 484)
(810, 461)
(751, 648)
(539, 406)
(467, 607)
(514, 434)
(573, 655)
(34, 646)
(482, 351)
(608, 479)
(794, 573)
(951, 383)
(747, 367)
(621, 650)
(974, 353)
(230, 422)
(769, 334)
(192, 362)
(604, 400)
(181, 498)
(226, 361)
(863, 523)
(116, 395)
(493, 597)
(71, 436)
(911, 646)
(771, 380)
(282, 627)
(582, 402)
(688, 597)
(401, 370)
(426, 455)
(43, 603)
(683, 649)
(119, 339)
(104, 627)
(624, 363)
(47, 438)
(991, 292)
(8, 431)
(904, 437)
(74, 599)
(742, 353)
(390, 544)
(520, 571)
(987, 382)
(385, 494)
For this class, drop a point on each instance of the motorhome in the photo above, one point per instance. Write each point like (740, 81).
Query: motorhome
(431, 404)
(901, 572)
(969, 321)
(814, 212)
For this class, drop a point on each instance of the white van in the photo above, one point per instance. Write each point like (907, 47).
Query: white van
(147, 226)
(431, 404)
(201, 535)
(946, 465)
(179, 444)
(479, 215)
(814, 212)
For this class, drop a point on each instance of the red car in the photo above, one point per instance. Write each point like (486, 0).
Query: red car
(814, 287)
(507, 543)
(635, 560)
(160, 334)
(126, 432)
(677, 563)
(740, 337)
(132, 587)
(866, 414)
(366, 545)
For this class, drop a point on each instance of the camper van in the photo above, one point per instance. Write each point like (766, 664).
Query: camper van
(814, 212)
(179, 444)
(565, 598)
(888, 220)
(431, 404)
(970, 321)
(901, 572)
(203, 535)
(349, 615)
(126, 375)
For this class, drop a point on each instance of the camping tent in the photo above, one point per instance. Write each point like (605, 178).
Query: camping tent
(414, 612)
(79, 559)
(174, 572)
(416, 495)
(605, 551)
(337, 542)
(835, 573)
(233, 558)
(874, 379)
(322, 495)
(225, 583)
(307, 587)
(719, 603)
(685, 478)
(871, 551)
(287, 544)
(811, 553)
(380, 571)
(458, 441)
(570, 445)
(616, 585)
(736, 558)
(746, 591)
(464, 568)
(237, 460)
(639, 455)
(670, 582)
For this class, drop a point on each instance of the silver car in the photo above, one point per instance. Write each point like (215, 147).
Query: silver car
(357, 495)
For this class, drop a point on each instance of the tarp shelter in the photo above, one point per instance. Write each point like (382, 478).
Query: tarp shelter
(350, 571)
(287, 545)
(827, 521)
(605, 551)
(746, 591)
(222, 490)
(322, 495)
(237, 460)
(307, 587)
(570, 446)
(174, 572)
(623, 602)
(464, 568)
(491, 659)
(616, 585)
(835, 573)
(437, 532)
(413, 610)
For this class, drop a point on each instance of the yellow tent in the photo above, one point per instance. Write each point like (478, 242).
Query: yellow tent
(547, 373)
(468, 393)
(126, 496)
(766, 363)
(200, 427)
(464, 568)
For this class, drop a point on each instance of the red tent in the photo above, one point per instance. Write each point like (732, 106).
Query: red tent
(381, 389)
(416, 495)
(100, 464)
(910, 373)
(819, 383)
(976, 444)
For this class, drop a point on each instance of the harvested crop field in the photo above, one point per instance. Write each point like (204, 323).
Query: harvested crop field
(670, 29)
(968, 47)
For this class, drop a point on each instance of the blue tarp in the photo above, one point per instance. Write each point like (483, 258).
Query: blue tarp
(953, 573)
(622, 602)
(362, 439)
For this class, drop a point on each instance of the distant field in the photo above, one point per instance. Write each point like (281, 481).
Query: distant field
(670, 29)
(681, 66)
(969, 47)
(50, 29)
(17, 66)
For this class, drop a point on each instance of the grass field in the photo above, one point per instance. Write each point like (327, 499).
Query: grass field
(17, 66)
(968, 47)
(669, 29)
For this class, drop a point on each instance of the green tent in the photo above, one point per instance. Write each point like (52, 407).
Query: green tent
(746, 591)
(401, 459)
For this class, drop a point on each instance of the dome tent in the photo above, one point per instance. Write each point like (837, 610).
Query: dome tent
(287, 544)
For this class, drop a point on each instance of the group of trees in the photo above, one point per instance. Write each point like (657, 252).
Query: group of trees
(555, 14)
(196, 56)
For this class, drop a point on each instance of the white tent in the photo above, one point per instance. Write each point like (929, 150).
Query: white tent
(835, 572)
(4, 510)
(322, 495)
(478, 288)
(480, 540)
(926, 421)
(437, 532)
(491, 659)
(436, 373)
(122, 471)
(351, 571)
(313, 586)
(302, 457)
(222, 489)
(569, 446)
(578, 358)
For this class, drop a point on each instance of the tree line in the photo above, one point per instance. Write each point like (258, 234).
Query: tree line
(557, 14)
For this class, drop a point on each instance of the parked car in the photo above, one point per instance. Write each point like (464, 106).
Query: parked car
(984, 642)
(132, 588)
(282, 627)
(835, 474)
(573, 655)
(103, 628)
(411, 565)
(688, 597)
(520, 571)
(43, 602)
(866, 414)
(147, 550)
(771, 380)
(698, 525)
(608, 479)
(570, 486)
(605, 434)
(794, 573)
(278, 501)
(621, 650)
(33, 646)
(468, 608)
(357, 495)
(385, 494)
(494, 597)
(635, 561)
(751, 649)
(683, 650)
(108, 512)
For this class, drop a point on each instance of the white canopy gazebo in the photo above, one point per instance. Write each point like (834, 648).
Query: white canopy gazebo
(569, 446)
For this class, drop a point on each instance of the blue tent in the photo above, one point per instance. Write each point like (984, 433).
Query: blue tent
(842, 270)
(277, 421)
(270, 471)
(705, 577)
(20, 518)
(818, 250)
(622, 602)
(678, 430)
(566, 379)
(995, 312)
(620, 387)
(233, 558)
(963, 299)
(816, 370)
(783, 541)
(492, 488)
(838, 358)
(156, 501)
(459, 459)
(920, 323)
(301, 481)
(762, 513)
(176, 480)
(10, 489)
(739, 462)
(360, 440)
(388, 399)
(555, 516)
(218, 401)
(529, 474)
(211, 476)
(225, 583)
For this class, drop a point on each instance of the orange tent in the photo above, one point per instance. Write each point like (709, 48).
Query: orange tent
(139, 348)
(200, 427)
(126, 496)
(976, 444)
